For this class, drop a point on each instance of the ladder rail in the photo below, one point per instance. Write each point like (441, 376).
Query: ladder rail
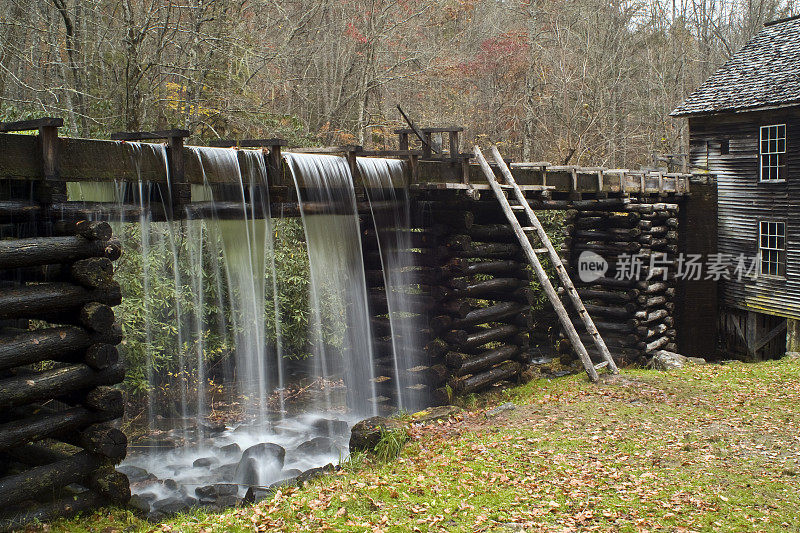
(527, 247)
(566, 282)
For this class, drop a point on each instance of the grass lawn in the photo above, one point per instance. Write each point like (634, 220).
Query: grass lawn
(706, 448)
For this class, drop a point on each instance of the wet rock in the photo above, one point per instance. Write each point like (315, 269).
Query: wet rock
(247, 471)
(215, 492)
(318, 446)
(212, 428)
(205, 462)
(208, 492)
(177, 468)
(291, 472)
(139, 504)
(664, 360)
(508, 406)
(148, 496)
(442, 412)
(171, 484)
(330, 426)
(266, 451)
(174, 504)
(313, 473)
(366, 434)
(226, 489)
(262, 460)
(135, 474)
(226, 501)
(230, 449)
(225, 472)
(257, 494)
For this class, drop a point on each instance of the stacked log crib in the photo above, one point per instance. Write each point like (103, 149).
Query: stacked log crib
(632, 301)
(482, 314)
(58, 365)
(403, 287)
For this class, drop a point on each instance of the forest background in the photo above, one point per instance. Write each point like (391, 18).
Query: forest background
(546, 79)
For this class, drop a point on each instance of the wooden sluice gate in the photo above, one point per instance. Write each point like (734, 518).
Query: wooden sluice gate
(471, 284)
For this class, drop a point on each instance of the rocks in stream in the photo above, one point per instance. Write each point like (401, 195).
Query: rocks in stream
(225, 472)
(330, 427)
(366, 434)
(135, 474)
(139, 504)
(205, 462)
(318, 446)
(174, 504)
(257, 494)
(230, 449)
(213, 480)
(262, 461)
(218, 496)
(212, 492)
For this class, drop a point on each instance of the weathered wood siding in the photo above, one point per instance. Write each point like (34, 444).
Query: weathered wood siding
(744, 201)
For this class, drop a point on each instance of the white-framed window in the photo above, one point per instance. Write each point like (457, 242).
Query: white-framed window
(772, 152)
(772, 248)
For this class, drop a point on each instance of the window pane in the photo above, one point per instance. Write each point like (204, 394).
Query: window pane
(772, 247)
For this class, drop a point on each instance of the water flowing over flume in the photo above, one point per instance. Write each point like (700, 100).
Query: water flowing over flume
(341, 330)
(392, 223)
(204, 311)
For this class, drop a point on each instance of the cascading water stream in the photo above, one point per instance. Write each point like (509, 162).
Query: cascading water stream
(249, 264)
(341, 331)
(391, 219)
(208, 287)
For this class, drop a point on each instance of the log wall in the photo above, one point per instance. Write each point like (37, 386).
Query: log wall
(482, 315)
(632, 304)
(481, 291)
(58, 365)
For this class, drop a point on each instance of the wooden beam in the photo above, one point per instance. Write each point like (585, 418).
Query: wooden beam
(35, 124)
(769, 336)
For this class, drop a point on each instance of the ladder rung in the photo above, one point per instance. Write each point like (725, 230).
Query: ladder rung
(528, 228)
(517, 207)
(598, 366)
(540, 250)
(504, 186)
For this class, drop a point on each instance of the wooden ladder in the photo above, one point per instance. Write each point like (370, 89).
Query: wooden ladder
(523, 235)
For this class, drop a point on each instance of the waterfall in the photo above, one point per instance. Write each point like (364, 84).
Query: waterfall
(203, 308)
(247, 249)
(392, 221)
(341, 330)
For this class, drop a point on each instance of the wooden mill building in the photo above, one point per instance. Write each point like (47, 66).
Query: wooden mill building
(744, 128)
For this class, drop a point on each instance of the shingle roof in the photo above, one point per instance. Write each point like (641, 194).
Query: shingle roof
(765, 72)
